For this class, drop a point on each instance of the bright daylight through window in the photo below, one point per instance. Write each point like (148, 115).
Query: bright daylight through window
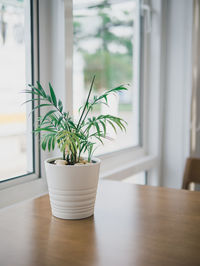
(15, 129)
(106, 44)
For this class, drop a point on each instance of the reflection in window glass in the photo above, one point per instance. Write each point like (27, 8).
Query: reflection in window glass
(14, 157)
(106, 36)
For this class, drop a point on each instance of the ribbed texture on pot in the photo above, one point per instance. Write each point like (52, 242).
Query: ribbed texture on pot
(72, 189)
(72, 204)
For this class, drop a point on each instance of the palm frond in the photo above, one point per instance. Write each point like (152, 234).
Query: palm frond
(57, 127)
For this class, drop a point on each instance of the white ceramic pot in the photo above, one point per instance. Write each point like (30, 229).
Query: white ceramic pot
(72, 188)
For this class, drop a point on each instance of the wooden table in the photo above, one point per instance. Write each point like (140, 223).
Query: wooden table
(133, 225)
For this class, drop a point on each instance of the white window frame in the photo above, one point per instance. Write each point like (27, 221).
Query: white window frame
(11, 189)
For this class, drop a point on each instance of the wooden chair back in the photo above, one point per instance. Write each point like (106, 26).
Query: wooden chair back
(192, 172)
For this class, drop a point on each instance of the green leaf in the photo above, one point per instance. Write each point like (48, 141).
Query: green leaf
(49, 143)
(30, 92)
(34, 89)
(31, 100)
(60, 120)
(104, 127)
(105, 98)
(118, 89)
(49, 99)
(44, 144)
(112, 126)
(60, 105)
(48, 114)
(53, 143)
(80, 108)
(97, 137)
(38, 106)
(44, 129)
(71, 123)
(53, 96)
(97, 127)
(41, 89)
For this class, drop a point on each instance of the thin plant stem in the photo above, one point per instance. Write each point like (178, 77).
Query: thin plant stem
(86, 103)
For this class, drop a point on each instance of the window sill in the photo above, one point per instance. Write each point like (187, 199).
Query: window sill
(130, 168)
(24, 191)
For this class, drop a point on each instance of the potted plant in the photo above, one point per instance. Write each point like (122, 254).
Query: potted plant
(72, 180)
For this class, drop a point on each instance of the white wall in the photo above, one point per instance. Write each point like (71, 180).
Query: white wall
(177, 92)
(195, 123)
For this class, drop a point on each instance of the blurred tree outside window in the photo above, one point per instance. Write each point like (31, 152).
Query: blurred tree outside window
(104, 38)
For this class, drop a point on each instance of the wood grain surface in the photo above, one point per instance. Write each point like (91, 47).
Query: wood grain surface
(132, 225)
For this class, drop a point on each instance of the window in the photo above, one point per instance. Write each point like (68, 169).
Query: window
(16, 139)
(120, 56)
(106, 44)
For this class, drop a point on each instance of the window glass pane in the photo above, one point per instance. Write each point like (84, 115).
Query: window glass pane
(15, 135)
(106, 43)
